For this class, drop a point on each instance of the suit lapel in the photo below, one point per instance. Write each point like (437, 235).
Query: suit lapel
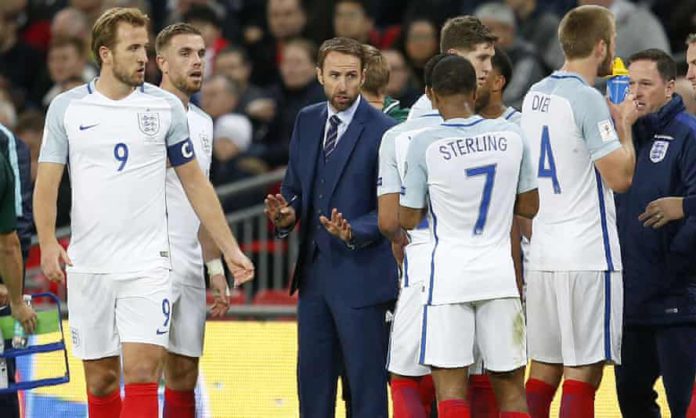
(347, 142)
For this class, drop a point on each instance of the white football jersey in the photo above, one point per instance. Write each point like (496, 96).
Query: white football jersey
(421, 107)
(469, 172)
(392, 163)
(186, 256)
(512, 115)
(569, 127)
(116, 152)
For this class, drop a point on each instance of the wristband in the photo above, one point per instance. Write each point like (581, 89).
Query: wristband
(215, 267)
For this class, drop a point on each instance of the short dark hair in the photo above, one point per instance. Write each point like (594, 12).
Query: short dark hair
(454, 75)
(463, 33)
(344, 46)
(169, 32)
(309, 47)
(377, 74)
(428, 69)
(502, 64)
(202, 13)
(666, 65)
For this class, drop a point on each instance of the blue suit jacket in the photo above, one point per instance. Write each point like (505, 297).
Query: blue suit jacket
(368, 273)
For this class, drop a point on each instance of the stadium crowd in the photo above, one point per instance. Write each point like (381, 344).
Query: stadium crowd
(268, 68)
(261, 54)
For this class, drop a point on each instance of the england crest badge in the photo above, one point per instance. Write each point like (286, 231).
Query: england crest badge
(149, 123)
(658, 151)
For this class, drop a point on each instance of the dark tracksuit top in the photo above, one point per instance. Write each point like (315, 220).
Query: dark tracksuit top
(660, 264)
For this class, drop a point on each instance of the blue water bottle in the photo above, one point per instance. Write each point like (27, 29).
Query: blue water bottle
(617, 84)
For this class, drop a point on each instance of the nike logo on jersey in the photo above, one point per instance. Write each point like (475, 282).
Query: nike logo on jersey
(162, 332)
(85, 127)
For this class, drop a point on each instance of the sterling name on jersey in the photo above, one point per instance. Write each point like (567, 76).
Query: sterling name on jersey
(187, 260)
(117, 151)
(392, 163)
(569, 127)
(470, 172)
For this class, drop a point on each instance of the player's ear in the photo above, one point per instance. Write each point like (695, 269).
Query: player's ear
(161, 63)
(105, 54)
(670, 87)
(320, 76)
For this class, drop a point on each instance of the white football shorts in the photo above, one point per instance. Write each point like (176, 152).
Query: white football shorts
(106, 310)
(404, 342)
(452, 331)
(574, 318)
(187, 330)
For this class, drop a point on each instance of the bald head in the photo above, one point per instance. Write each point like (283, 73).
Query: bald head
(70, 23)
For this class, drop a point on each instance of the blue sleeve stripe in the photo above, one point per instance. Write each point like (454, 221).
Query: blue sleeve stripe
(181, 153)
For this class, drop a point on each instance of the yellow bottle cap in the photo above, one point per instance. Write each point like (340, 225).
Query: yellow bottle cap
(618, 68)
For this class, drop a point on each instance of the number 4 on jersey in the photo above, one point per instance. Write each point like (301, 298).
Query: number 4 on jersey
(546, 155)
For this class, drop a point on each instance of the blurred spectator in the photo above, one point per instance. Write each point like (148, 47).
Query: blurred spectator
(286, 19)
(71, 22)
(637, 28)
(8, 115)
(206, 20)
(179, 8)
(353, 19)
(91, 8)
(67, 60)
(143, 5)
(540, 28)
(30, 128)
(527, 67)
(684, 88)
(421, 44)
(401, 84)
(374, 89)
(19, 63)
(253, 101)
(220, 98)
(298, 89)
(679, 18)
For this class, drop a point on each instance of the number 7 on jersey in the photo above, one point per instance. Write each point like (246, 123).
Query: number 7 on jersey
(489, 172)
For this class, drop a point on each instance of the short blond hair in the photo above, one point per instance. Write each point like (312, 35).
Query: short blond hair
(377, 74)
(104, 29)
(581, 29)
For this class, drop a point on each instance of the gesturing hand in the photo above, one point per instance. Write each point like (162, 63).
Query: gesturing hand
(240, 266)
(279, 211)
(337, 226)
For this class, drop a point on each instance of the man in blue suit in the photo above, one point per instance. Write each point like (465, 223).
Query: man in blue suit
(345, 273)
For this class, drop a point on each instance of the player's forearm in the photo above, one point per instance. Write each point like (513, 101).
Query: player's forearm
(208, 247)
(388, 216)
(11, 268)
(410, 218)
(207, 206)
(45, 197)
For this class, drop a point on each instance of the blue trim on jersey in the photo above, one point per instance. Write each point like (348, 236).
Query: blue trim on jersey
(142, 87)
(563, 77)
(181, 153)
(607, 315)
(424, 333)
(405, 270)
(429, 115)
(432, 256)
(89, 87)
(603, 222)
(463, 125)
(514, 111)
(423, 224)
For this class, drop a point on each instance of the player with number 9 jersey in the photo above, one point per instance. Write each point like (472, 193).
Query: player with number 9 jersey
(117, 152)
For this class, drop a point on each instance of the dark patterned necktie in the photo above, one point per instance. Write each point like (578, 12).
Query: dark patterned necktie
(331, 136)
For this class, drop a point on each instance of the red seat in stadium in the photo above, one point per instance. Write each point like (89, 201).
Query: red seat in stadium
(274, 297)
